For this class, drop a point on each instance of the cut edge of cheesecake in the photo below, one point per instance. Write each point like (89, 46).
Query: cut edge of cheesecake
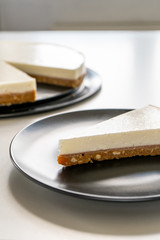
(16, 87)
(136, 133)
(108, 154)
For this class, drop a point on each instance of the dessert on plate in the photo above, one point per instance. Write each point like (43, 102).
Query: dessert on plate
(135, 133)
(15, 85)
(48, 63)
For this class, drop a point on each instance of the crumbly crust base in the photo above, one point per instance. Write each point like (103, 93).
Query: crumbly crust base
(86, 157)
(17, 98)
(73, 83)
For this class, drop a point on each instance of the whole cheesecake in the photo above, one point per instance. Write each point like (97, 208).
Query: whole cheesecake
(48, 63)
(135, 133)
(16, 87)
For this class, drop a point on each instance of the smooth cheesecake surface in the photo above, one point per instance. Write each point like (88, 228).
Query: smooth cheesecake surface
(139, 127)
(44, 59)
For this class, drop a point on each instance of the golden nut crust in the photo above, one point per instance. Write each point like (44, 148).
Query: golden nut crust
(81, 158)
(17, 98)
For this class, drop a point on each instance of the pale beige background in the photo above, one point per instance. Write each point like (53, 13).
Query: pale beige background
(79, 14)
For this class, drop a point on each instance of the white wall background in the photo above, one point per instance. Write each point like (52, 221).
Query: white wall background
(79, 14)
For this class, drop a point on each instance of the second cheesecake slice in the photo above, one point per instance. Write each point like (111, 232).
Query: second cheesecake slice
(134, 133)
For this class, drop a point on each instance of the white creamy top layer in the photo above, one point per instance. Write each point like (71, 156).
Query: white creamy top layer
(135, 128)
(14, 80)
(44, 59)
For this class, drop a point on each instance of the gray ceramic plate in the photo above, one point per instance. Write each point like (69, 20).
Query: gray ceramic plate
(51, 97)
(35, 148)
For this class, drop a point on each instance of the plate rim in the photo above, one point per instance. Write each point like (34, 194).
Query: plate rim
(71, 192)
(72, 99)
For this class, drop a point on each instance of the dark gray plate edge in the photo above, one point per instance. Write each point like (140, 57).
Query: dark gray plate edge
(71, 100)
(74, 193)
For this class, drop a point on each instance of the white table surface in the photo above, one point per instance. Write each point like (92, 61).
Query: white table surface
(129, 64)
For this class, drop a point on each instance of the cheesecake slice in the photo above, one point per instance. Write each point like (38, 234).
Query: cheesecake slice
(48, 63)
(15, 86)
(135, 133)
